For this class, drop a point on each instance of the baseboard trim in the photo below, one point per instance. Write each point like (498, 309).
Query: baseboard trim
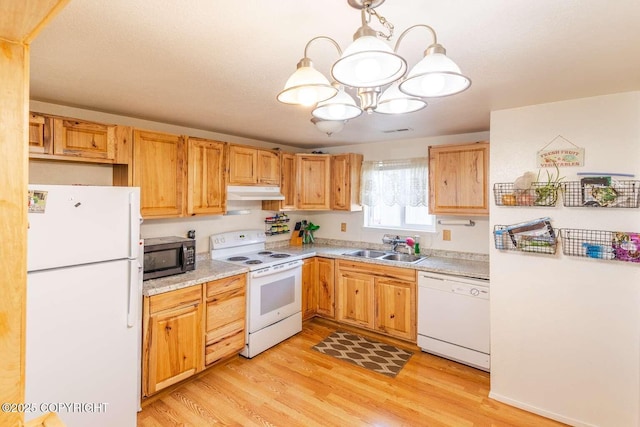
(539, 411)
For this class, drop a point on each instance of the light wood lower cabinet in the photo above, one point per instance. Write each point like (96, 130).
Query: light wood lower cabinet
(355, 298)
(325, 287)
(186, 330)
(318, 288)
(225, 318)
(377, 297)
(172, 338)
(309, 288)
(396, 307)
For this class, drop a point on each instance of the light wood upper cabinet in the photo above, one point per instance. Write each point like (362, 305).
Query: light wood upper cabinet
(206, 186)
(314, 179)
(268, 167)
(40, 134)
(172, 338)
(288, 168)
(158, 169)
(84, 139)
(345, 182)
(243, 165)
(225, 318)
(253, 166)
(459, 179)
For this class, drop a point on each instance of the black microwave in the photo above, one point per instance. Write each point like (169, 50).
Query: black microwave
(165, 256)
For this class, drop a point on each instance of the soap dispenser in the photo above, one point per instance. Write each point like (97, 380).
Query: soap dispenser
(416, 245)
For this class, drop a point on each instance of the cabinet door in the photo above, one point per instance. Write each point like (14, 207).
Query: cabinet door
(175, 346)
(355, 298)
(345, 182)
(206, 186)
(325, 287)
(458, 179)
(396, 308)
(268, 167)
(84, 139)
(309, 288)
(225, 318)
(243, 165)
(40, 134)
(314, 171)
(288, 178)
(158, 169)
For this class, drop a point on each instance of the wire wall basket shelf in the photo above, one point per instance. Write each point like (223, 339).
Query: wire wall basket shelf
(600, 244)
(539, 194)
(541, 243)
(601, 192)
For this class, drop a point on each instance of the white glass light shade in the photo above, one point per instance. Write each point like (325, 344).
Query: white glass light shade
(434, 76)
(340, 107)
(328, 126)
(306, 86)
(368, 62)
(392, 101)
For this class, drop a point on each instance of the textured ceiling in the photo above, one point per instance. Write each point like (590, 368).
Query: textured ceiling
(218, 65)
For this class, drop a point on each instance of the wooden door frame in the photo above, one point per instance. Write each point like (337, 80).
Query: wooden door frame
(20, 22)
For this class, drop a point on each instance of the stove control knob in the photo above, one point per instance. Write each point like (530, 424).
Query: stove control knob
(474, 292)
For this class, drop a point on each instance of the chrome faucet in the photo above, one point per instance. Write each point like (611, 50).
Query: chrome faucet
(401, 243)
(397, 242)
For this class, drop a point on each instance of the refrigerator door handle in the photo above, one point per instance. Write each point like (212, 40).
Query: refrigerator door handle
(134, 224)
(135, 271)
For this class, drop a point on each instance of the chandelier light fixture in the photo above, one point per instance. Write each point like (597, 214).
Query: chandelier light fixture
(369, 65)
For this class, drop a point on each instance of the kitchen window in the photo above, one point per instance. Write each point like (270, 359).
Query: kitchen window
(395, 196)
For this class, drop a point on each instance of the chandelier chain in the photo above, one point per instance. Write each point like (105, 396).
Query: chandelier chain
(383, 21)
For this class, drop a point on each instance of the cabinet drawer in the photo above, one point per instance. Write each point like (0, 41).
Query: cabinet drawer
(187, 296)
(226, 346)
(228, 284)
(400, 273)
(228, 311)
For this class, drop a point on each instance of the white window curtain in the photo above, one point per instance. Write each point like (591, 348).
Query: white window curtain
(395, 182)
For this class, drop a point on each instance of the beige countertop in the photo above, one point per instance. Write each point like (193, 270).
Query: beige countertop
(208, 270)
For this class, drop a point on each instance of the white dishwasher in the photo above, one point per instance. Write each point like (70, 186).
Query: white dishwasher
(453, 318)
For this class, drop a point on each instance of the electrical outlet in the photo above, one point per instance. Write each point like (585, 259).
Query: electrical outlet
(343, 226)
(446, 234)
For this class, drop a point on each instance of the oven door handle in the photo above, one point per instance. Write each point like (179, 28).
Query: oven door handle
(275, 269)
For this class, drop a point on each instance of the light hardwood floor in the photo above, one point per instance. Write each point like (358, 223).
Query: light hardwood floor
(293, 385)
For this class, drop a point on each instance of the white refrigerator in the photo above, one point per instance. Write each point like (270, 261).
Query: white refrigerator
(83, 325)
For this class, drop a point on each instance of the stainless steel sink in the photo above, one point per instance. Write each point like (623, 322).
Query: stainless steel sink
(402, 257)
(384, 255)
(366, 253)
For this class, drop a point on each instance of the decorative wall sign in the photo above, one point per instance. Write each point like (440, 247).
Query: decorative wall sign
(561, 156)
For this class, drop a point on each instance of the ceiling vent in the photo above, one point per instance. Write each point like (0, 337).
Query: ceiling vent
(397, 130)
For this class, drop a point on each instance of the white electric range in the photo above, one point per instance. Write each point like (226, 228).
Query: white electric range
(274, 287)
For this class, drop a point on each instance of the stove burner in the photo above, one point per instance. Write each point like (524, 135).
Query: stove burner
(265, 253)
(253, 261)
(280, 256)
(238, 258)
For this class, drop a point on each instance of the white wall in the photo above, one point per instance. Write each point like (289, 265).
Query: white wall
(464, 239)
(467, 239)
(565, 331)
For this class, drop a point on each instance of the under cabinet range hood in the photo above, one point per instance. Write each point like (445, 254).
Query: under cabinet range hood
(248, 192)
